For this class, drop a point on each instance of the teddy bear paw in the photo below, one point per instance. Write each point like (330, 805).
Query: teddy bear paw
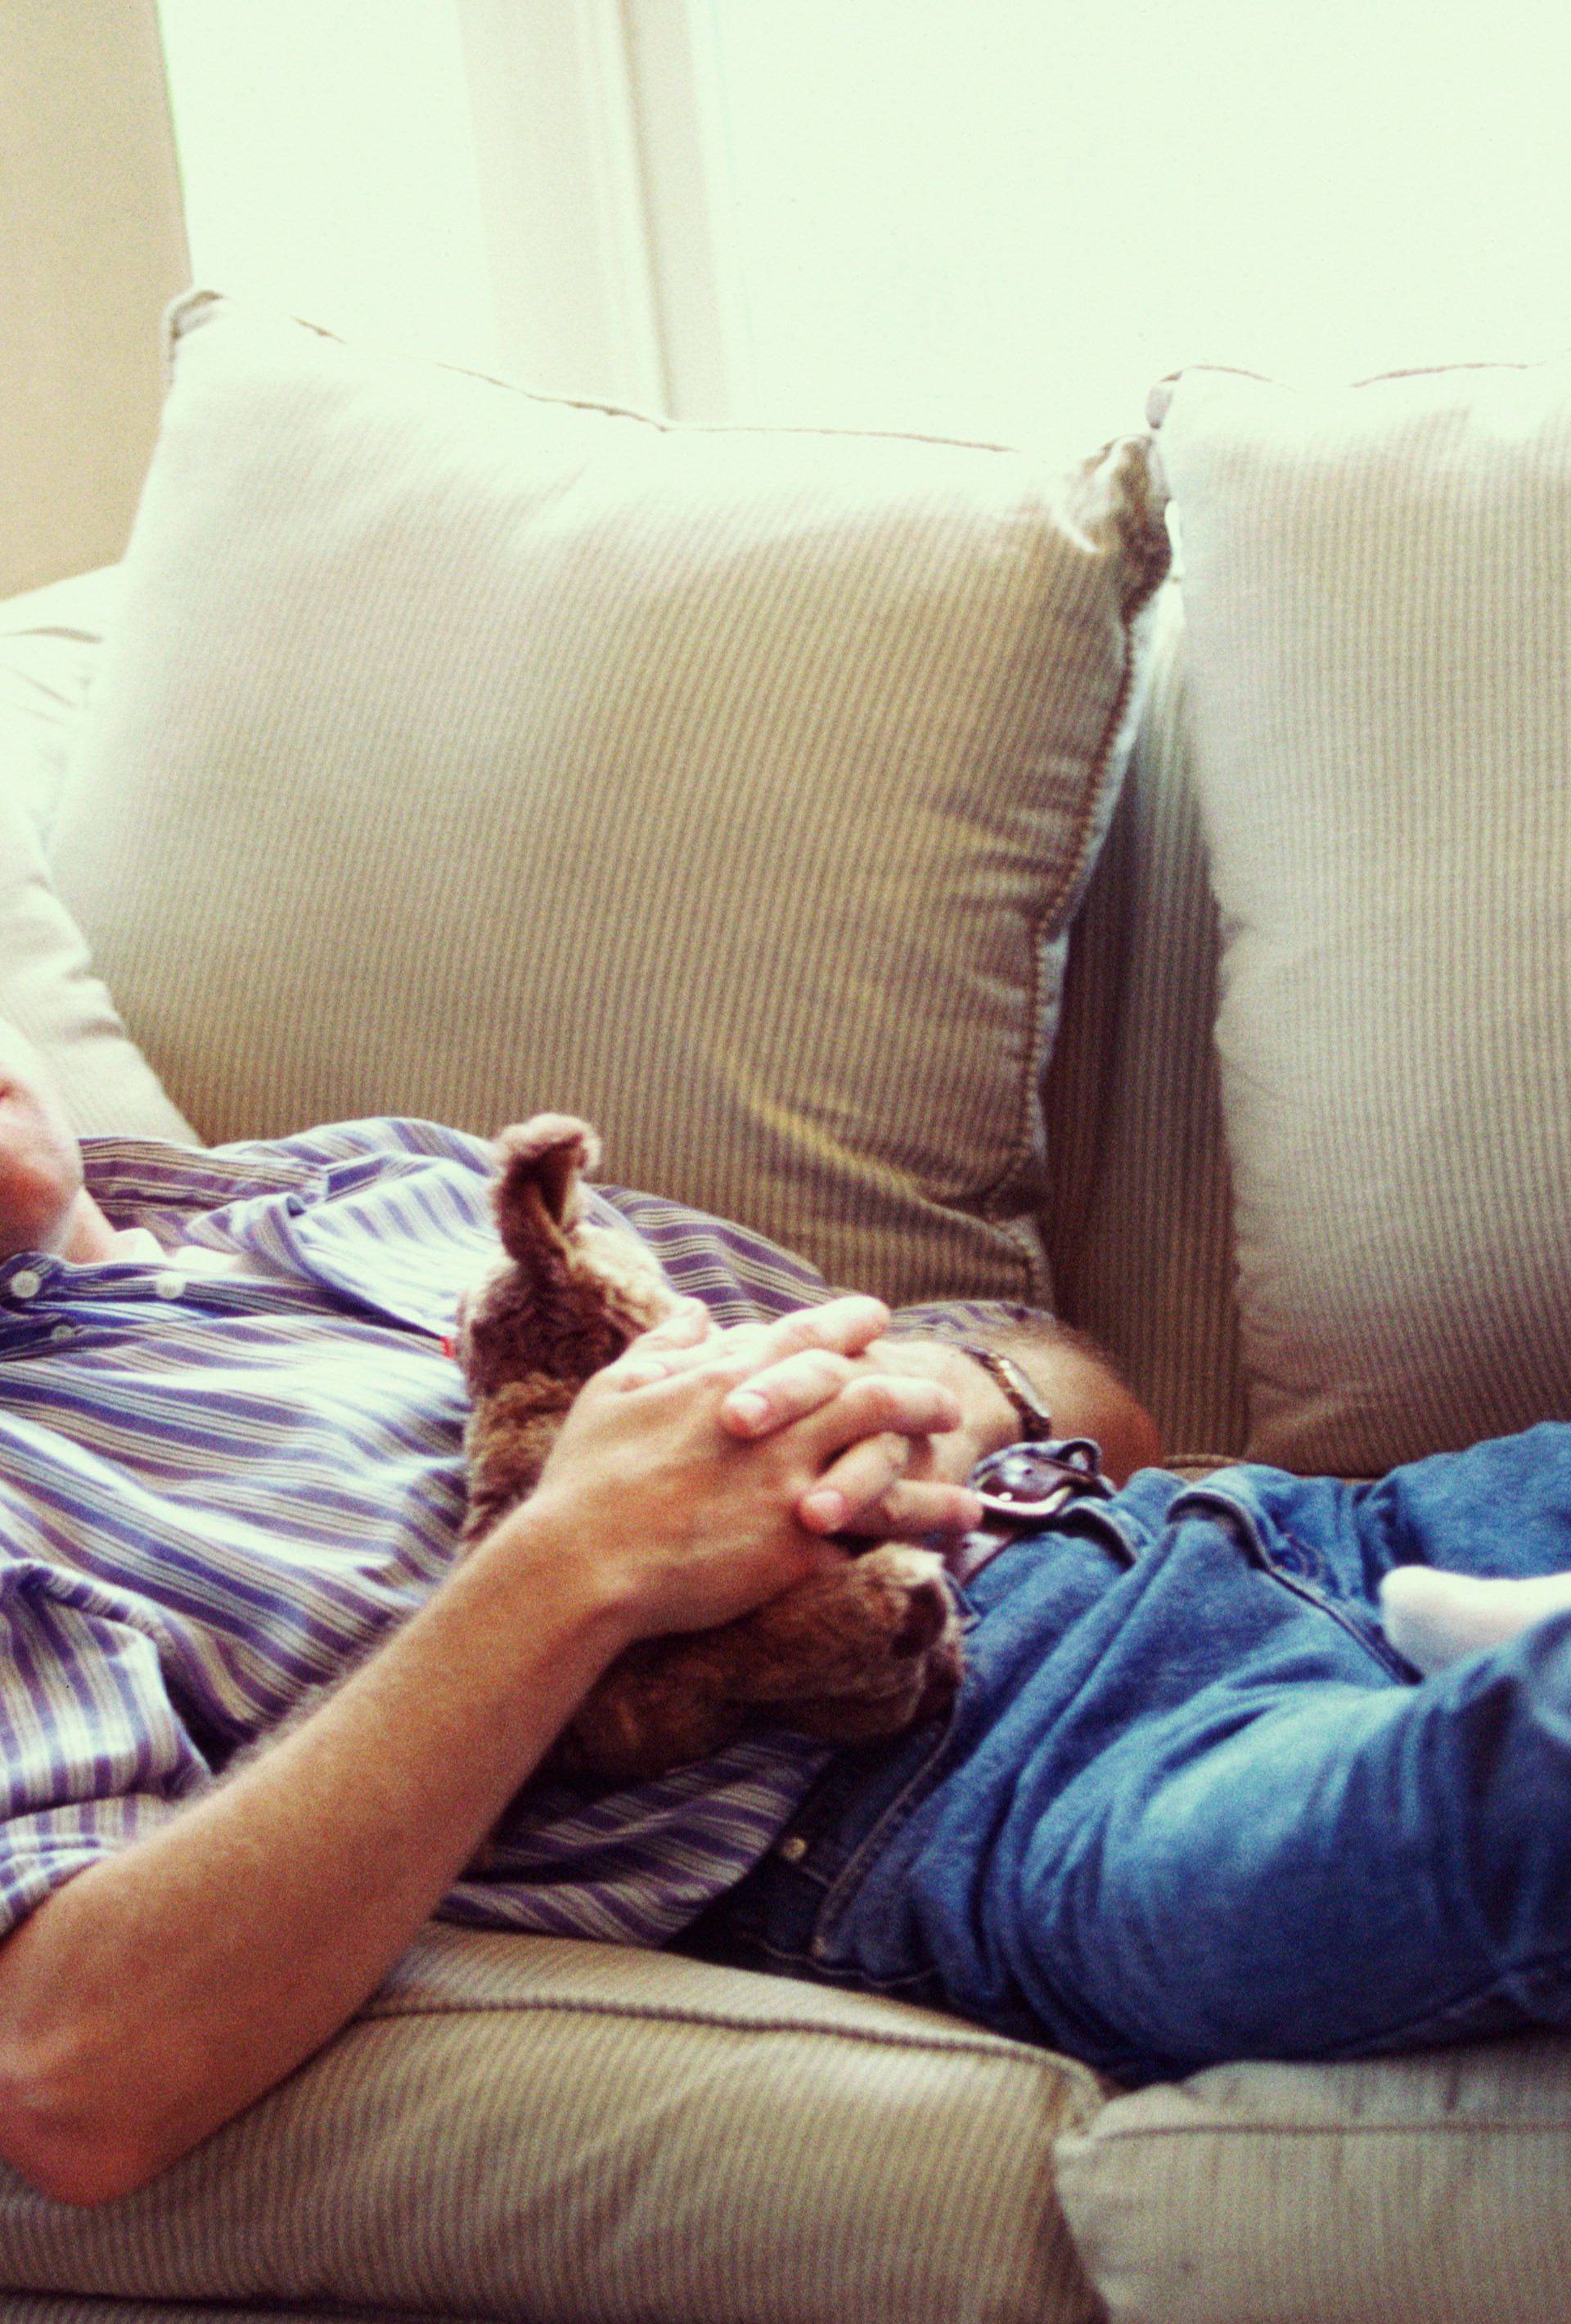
(888, 1651)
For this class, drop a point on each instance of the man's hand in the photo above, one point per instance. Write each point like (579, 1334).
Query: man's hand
(900, 1480)
(1077, 1383)
(691, 1523)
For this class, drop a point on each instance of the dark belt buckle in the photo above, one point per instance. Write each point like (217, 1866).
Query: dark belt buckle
(1025, 1484)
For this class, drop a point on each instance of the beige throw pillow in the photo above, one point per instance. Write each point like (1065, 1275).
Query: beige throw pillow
(460, 752)
(1378, 595)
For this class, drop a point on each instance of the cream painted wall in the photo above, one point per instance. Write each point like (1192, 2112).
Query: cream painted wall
(92, 246)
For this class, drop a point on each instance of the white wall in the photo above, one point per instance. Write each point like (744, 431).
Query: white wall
(328, 157)
(460, 179)
(1010, 216)
(91, 249)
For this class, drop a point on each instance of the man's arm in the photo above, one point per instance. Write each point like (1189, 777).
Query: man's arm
(168, 1986)
(164, 1988)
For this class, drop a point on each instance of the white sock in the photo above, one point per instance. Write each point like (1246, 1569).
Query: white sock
(1435, 1618)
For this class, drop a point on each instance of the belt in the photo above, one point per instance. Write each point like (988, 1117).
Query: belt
(1023, 1486)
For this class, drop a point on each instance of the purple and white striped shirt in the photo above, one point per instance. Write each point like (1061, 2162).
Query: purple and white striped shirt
(217, 1488)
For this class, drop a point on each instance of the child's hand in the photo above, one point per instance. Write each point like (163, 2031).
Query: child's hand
(928, 1497)
(689, 1338)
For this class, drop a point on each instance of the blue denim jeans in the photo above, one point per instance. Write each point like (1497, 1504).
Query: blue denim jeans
(1191, 1805)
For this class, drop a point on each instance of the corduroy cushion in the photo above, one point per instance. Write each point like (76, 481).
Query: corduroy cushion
(1378, 595)
(572, 2134)
(47, 987)
(1139, 1226)
(1420, 2191)
(458, 752)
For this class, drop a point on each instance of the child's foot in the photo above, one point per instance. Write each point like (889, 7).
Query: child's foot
(1435, 1618)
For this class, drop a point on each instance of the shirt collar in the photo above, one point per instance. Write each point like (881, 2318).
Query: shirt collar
(130, 1173)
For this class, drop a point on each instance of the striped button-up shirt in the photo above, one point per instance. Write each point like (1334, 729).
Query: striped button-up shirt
(231, 1463)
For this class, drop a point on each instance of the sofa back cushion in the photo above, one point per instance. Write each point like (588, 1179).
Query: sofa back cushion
(1140, 1222)
(458, 752)
(1378, 596)
(1137, 1218)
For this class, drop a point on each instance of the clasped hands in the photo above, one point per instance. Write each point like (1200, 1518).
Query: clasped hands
(709, 1466)
(891, 1412)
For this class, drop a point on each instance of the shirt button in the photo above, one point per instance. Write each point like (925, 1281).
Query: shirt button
(793, 1849)
(24, 1284)
(62, 1331)
(169, 1287)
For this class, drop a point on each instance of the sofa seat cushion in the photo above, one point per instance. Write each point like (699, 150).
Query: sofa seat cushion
(567, 2132)
(1426, 2190)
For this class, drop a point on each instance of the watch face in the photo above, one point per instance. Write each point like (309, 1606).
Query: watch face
(1022, 1481)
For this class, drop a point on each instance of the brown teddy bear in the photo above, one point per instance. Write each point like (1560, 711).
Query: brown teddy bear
(851, 1658)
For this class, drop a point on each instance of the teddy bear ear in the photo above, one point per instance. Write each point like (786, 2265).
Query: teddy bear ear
(542, 1161)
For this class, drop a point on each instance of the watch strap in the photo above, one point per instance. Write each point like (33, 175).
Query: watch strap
(1036, 1421)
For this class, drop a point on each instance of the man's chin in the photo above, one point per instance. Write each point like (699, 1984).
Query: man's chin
(52, 1225)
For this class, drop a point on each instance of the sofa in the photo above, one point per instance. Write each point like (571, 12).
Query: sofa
(1192, 961)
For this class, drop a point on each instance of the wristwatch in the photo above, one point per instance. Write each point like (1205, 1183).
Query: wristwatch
(1035, 1420)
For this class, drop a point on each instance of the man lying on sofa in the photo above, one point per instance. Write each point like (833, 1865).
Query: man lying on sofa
(1185, 1759)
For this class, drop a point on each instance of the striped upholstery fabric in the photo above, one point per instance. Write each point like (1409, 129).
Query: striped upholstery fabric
(1139, 1220)
(45, 2307)
(1377, 593)
(42, 2308)
(1428, 2190)
(48, 640)
(570, 2133)
(459, 753)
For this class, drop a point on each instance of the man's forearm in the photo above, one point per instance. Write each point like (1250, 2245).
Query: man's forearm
(164, 1989)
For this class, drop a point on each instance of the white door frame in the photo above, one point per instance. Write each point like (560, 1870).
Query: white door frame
(601, 167)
